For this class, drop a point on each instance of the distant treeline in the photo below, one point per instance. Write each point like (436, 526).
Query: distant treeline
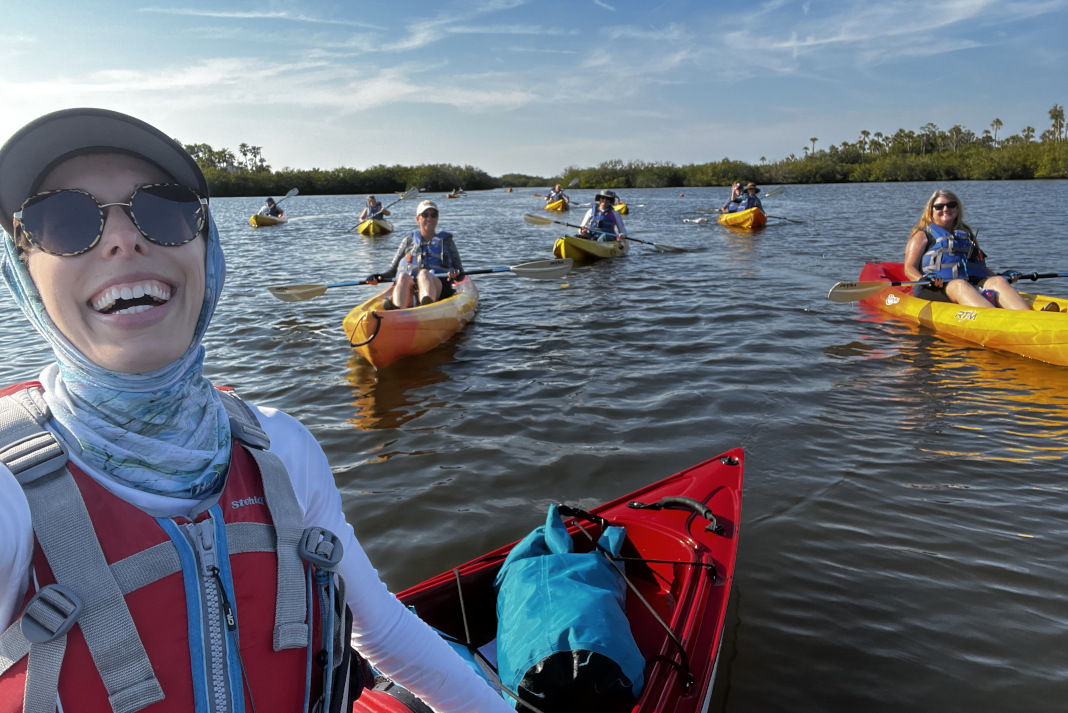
(929, 154)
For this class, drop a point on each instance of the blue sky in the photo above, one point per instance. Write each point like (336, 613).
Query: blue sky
(535, 87)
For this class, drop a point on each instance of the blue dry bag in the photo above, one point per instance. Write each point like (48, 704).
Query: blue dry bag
(563, 639)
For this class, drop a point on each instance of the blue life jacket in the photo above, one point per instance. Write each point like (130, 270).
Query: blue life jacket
(555, 605)
(603, 221)
(749, 202)
(952, 255)
(428, 255)
(375, 212)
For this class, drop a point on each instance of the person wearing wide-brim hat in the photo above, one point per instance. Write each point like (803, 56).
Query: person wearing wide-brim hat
(162, 540)
(751, 199)
(602, 221)
(425, 252)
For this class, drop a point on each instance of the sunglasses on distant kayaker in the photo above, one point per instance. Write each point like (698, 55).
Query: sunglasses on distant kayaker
(952, 205)
(70, 222)
(429, 214)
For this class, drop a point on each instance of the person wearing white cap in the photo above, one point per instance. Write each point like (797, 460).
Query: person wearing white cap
(162, 542)
(423, 253)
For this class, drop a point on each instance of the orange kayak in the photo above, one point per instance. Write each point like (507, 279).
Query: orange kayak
(383, 336)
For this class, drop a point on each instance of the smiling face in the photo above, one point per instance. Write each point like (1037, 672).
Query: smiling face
(127, 304)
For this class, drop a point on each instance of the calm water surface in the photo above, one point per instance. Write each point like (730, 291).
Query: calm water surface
(903, 537)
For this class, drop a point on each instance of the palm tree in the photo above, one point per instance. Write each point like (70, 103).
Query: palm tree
(1028, 133)
(995, 125)
(1056, 116)
(813, 140)
(762, 159)
(864, 140)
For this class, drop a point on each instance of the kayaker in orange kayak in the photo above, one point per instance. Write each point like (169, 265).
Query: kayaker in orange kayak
(163, 541)
(423, 253)
(736, 196)
(601, 221)
(750, 198)
(943, 247)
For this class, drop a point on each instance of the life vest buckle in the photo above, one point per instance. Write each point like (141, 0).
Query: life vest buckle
(36, 455)
(320, 547)
(50, 614)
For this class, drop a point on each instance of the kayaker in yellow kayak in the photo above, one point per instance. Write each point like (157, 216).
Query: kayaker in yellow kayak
(241, 581)
(271, 208)
(943, 247)
(373, 210)
(601, 221)
(736, 196)
(750, 198)
(424, 252)
(556, 194)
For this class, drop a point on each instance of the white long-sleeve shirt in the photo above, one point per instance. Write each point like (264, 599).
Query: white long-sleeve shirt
(384, 631)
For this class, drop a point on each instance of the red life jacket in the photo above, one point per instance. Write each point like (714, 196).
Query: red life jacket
(171, 613)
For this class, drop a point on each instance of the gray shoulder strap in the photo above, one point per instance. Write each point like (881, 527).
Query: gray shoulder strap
(69, 543)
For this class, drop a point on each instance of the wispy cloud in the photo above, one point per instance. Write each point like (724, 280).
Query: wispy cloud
(258, 15)
(606, 6)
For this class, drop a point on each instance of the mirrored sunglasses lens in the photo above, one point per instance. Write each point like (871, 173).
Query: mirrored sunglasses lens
(168, 214)
(62, 223)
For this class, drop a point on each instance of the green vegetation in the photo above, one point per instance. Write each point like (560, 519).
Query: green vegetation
(929, 154)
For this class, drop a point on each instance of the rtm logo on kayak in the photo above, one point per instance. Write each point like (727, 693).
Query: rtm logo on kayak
(966, 314)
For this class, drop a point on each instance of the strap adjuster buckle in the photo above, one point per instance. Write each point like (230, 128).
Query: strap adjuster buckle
(50, 614)
(320, 547)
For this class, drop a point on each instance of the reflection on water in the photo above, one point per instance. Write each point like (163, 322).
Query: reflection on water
(388, 398)
(1006, 407)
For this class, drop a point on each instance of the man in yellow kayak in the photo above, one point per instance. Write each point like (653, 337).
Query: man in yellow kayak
(736, 197)
(373, 210)
(557, 194)
(424, 253)
(601, 221)
(271, 209)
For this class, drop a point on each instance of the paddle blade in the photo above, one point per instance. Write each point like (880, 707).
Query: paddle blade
(574, 182)
(775, 192)
(543, 269)
(536, 219)
(297, 293)
(854, 291)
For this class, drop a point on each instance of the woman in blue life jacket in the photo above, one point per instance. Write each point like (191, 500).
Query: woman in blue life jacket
(224, 517)
(423, 253)
(750, 198)
(373, 210)
(602, 222)
(943, 248)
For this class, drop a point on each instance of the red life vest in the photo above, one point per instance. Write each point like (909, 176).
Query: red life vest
(168, 613)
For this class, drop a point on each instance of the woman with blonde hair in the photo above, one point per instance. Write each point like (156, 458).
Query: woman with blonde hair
(943, 249)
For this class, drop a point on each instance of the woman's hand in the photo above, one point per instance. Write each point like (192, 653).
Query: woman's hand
(373, 279)
(936, 281)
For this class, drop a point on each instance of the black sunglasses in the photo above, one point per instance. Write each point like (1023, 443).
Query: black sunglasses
(952, 205)
(70, 222)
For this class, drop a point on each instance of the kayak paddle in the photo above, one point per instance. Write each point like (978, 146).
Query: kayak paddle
(775, 192)
(789, 220)
(536, 270)
(292, 192)
(854, 291)
(410, 193)
(539, 220)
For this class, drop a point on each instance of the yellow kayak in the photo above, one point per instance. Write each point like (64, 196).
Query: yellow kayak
(559, 206)
(383, 336)
(751, 218)
(260, 221)
(1037, 334)
(583, 250)
(621, 208)
(375, 226)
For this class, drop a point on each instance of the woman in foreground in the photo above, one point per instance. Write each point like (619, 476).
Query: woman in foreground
(162, 541)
